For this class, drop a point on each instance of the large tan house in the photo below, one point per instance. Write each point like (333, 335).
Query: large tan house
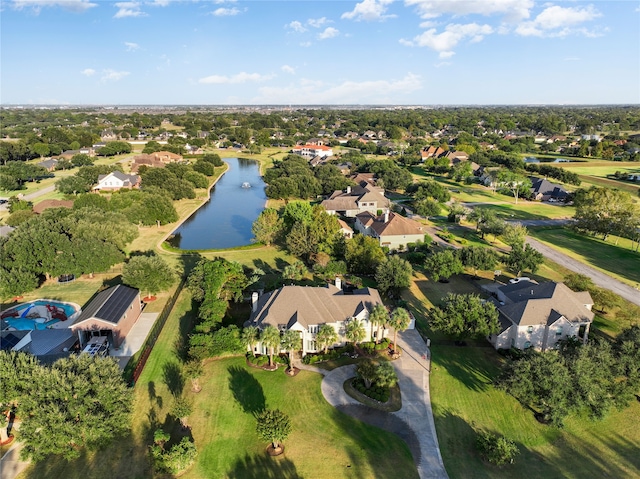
(537, 316)
(305, 309)
(356, 199)
(390, 229)
(113, 312)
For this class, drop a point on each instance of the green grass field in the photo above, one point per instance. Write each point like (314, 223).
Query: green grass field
(465, 401)
(617, 260)
(324, 442)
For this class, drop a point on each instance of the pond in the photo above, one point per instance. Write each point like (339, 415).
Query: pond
(225, 220)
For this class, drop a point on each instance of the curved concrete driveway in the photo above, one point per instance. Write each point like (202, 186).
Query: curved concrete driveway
(599, 278)
(414, 421)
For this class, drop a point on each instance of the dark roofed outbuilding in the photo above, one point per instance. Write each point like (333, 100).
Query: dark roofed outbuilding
(115, 309)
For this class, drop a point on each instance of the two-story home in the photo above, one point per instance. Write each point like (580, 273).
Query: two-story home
(117, 180)
(305, 309)
(391, 229)
(357, 199)
(310, 151)
(537, 316)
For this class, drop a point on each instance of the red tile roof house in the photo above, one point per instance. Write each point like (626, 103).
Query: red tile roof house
(537, 316)
(113, 312)
(305, 309)
(312, 150)
(356, 199)
(391, 229)
(117, 180)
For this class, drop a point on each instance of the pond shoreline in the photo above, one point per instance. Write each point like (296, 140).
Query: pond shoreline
(223, 220)
(163, 240)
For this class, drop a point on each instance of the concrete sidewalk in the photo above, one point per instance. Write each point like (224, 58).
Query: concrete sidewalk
(135, 339)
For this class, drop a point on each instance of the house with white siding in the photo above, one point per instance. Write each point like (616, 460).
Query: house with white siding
(537, 316)
(305, 309)
(391, 229)
(117, 180)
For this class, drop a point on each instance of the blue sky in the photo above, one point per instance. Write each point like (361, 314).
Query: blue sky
(407, 52)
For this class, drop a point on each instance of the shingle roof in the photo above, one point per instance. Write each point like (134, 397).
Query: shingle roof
(109, 305)
(534, 304)
(311, 305)
(546, 188)
(396, 226)
(343, 201)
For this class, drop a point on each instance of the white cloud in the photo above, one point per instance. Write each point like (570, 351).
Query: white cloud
(305, 44)
(296, 26)
(226, 12)
(88, 72)
(131, 47)
(129, 9)
(446, 41)
(369, 11)
(442, 64)
(241, 77)
(446, 54)
(328, 32)
(348, 92)
(318, 22)
(112, 75)
(556, 21)
(288, 69)
(36, 5)
(512, 10)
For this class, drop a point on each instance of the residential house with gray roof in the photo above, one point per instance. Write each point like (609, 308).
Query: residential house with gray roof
(357, 199)
(537, 316)
(305, 309)
(112, 313)
(391, 229)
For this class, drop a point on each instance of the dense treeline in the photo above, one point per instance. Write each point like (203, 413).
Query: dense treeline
(62, 241)
(595, 377)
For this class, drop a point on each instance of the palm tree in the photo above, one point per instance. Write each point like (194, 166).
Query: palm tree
(270, 338)
(379, 316)
(399, 321)
(366, 370)
(326, 336)
(291, 342)
(193, 370)
(249, 338)
(355, 331)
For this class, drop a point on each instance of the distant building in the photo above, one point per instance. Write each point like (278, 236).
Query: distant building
(391, 229)
(117, 180)
(312, 150)
(356, 199)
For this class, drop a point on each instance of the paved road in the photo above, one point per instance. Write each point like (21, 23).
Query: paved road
(414, 421)
(599, 278)
(41, 192)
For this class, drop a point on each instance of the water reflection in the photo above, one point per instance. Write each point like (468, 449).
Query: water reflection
(225, 220)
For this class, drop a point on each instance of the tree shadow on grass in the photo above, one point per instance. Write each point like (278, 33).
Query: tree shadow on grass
(173, 378)
(246, 390)
(264, 467)
(472, 366)
(187, 322)
(371, 454)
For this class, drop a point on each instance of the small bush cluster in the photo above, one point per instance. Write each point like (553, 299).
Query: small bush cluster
(370, 346)
(331, 355)
(378, 393)
(496, 449)
(174, 460)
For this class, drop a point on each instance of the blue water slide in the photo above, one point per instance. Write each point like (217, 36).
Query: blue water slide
(26, 311)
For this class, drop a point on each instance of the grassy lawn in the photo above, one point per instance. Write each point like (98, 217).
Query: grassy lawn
(617, 260)
(464, 400)
(324, 442)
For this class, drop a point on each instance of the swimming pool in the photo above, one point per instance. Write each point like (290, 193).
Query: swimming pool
(41, 314)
